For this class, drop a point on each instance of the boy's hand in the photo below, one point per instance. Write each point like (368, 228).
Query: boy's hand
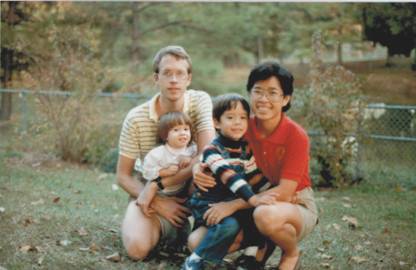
(146, 197)
(184, 162)
(169, 171)
(202, 179)
(265, 199)
(217, 212)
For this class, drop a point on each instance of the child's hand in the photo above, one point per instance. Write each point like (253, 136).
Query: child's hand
(184, 162)
(146, 197)
(265, 199)
(169, 171)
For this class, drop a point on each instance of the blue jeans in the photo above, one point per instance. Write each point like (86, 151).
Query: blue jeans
(219, 237)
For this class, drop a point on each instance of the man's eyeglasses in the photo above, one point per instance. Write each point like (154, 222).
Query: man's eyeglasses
(272, 96)
(179, 75)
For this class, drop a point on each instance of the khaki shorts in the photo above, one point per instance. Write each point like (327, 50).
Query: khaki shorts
(308, 211)
(170, 234)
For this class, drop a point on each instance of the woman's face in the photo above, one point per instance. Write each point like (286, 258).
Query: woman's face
(267, 99)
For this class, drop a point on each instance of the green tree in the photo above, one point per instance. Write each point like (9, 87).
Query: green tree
(392, 25)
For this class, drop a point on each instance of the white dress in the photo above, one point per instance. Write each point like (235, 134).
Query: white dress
(162, 157)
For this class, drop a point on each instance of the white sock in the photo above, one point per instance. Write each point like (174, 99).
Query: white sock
(251, 251)
(194, 257)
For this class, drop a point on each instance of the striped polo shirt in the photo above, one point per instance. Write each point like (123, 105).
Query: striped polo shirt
(139, 132)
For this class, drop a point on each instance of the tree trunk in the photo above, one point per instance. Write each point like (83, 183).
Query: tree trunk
(339, 53)
(7, 66)
(260, 50)
(6, 98)
(135, 35)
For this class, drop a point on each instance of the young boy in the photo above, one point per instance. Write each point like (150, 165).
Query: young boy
(165, 160)
(231, 161)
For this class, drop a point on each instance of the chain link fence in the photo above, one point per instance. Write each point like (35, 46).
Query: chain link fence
(388, 131)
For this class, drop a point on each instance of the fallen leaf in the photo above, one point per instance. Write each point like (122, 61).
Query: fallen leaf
(351, 221)
(114, 187)
(2, 209)
(40, 260)
(114, 230)
(27, 221)
(27, 248)
(401, 263)
(325, 265)
(358, 247)
(347, 205)
(326, 243)
(94, 247)
(346, 198)
(336, 226)
(367, 243)
(399, 188)
(358, 259)
(82, 232)
(321, 250)
(40, 201)
(386, 231)
(326, 257)
(37, 164)
(102, 176)
(56, 199)
(63, 243)
(115, 257)
(84, 248)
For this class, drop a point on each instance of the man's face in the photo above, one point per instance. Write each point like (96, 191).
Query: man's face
(173, 78)
(267, 99)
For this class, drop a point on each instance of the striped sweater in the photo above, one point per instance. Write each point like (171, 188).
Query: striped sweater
(235, 157)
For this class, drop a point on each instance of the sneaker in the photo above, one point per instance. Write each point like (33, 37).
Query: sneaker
(192, 265)
(245, 262)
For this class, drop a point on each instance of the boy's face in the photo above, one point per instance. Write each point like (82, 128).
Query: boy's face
(179, 136)
(267, 99)
(173, 78)
(233, 123)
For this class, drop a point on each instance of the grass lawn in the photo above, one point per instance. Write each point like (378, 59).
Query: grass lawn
(55, 215)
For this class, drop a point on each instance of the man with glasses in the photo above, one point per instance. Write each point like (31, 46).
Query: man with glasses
(168, 224)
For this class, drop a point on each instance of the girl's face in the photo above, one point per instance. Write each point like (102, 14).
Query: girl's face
(179, 136)
(233, 123)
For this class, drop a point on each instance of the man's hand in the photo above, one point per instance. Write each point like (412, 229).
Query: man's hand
(172, 209)
(169, 171)
(218, 211)
(146, 197)
(202, 179)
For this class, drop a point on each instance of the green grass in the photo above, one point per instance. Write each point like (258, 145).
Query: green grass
(384, 206)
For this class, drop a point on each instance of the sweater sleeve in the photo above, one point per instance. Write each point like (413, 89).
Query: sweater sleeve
(233, 180)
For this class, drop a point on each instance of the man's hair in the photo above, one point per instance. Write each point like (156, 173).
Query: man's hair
(266, 70)
(227, 102)
(174, 50)
(170, 120)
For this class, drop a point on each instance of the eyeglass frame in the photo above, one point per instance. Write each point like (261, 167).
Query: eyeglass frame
(258, 93)
(170, 74)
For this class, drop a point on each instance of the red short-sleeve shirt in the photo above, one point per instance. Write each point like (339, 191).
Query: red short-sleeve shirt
(284, 154)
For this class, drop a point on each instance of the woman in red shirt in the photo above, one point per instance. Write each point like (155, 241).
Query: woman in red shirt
(281, 149)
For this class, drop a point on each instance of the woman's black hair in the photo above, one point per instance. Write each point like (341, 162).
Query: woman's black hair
(270, 69)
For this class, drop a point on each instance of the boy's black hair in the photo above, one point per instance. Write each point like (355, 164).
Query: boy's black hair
(268, 69)
(227, 102)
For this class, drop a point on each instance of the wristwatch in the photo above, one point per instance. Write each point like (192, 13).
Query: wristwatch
(158, 182)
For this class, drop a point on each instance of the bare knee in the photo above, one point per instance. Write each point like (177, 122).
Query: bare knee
(137, 251)
(267, 220)
(196, 237)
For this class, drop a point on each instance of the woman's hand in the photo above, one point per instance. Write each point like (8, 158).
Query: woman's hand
(218, 211)
(202, 179)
